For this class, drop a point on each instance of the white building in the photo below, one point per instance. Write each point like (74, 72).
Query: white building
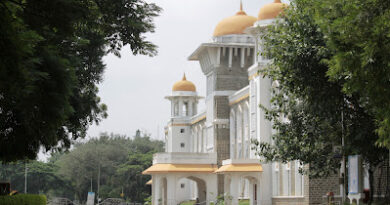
(209, 153)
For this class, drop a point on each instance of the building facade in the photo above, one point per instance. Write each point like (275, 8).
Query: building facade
(208, 153)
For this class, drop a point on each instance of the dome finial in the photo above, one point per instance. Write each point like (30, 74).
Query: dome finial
(241, 12)
(277, 1)
(184, 76)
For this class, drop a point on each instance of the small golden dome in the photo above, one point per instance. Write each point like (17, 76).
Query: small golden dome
(234, 24)
(184, 85)
(272, 10)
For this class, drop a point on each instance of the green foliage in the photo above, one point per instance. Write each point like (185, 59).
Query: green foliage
(120, 160)
(358, 34)
(42, 178)
(23, 199)
(318, 112)
(51, 61)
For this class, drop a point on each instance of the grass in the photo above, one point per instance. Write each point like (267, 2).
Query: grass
(23, 199)
(241, 202)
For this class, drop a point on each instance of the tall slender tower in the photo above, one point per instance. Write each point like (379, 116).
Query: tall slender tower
(184, 104)
(225, 62)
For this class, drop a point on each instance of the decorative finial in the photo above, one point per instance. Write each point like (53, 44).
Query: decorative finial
(277, 1)
(184, 77)
(241, 12)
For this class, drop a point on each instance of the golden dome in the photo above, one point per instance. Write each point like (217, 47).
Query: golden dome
(184, 85)
(272, 10)
(234, 24)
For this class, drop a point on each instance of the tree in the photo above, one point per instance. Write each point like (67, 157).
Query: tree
(139, 159)
(120, 161)
(357, 33)
(41, 178)
(319, 114)
(51, 61)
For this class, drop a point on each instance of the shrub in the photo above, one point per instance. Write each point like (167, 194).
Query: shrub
(23, 199)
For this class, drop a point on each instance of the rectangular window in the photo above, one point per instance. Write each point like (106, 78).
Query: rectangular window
(182, 145)
(182, 130)
(182, 186)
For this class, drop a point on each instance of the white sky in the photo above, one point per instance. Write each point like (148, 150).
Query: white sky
(134, 86)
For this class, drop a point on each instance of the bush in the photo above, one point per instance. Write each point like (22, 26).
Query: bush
(23, 199)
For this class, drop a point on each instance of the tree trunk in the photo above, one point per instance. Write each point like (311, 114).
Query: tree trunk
(371, 181)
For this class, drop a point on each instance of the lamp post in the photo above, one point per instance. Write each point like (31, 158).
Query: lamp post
(25, 177)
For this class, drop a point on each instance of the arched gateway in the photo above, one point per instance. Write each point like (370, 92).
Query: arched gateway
(174, 179)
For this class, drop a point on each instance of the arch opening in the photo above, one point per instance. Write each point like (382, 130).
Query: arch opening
(201, 190)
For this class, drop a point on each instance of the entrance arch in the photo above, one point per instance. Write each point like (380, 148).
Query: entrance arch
(253, 190)
(232, 181)
(201, 189)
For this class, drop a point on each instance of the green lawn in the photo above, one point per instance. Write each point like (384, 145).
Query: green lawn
(241, 202)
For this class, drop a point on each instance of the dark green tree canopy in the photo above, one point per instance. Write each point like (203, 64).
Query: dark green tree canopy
(319, 113)
(358, 34)
(51, 62)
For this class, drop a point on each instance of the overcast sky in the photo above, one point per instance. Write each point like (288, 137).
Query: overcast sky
(134, 86)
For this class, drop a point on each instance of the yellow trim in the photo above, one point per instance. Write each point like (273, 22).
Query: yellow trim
(168, 168)
(253, 76)
(149, 182)
(180, 125)
(239, 99)
(240, 168)
(198, 120)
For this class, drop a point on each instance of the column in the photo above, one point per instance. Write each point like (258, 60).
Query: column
(232, 134)
(211, 188)
(156, 189)
(264, 187)
(180, 107)
(238, 143)
(251, 190)
(171, 188)
(234, 192)
(190, 105)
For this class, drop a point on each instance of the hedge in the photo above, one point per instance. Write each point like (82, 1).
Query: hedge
(23, 199)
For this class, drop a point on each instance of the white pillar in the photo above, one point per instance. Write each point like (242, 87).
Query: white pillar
(211, 188)
(180, 107)
(264, 190)
(238, 135)
(251, 190)
(171, 188)
(234, 192)
(232, 134)
(156, 189)
(190, 105)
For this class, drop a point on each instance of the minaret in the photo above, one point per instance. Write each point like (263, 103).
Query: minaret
(184, 104)
(225, 62)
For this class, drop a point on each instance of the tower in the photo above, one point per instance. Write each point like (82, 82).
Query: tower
(225, 62)
(184, 104)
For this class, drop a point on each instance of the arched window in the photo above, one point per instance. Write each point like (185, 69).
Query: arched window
(185, 109)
